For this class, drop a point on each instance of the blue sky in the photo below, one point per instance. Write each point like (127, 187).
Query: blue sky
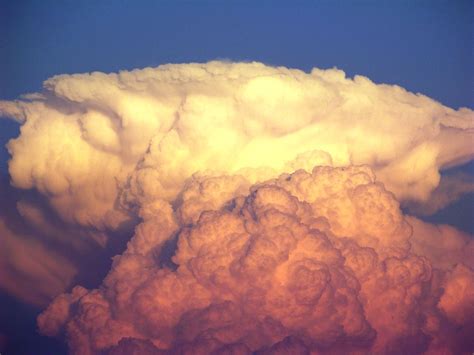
(425, 46)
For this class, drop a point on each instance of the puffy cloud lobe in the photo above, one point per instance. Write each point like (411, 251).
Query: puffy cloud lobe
(307, 262)
(458, 299)
(444, 245)
(355, 205)
(99, 145)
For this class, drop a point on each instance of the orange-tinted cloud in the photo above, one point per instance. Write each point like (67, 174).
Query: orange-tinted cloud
(316, 262)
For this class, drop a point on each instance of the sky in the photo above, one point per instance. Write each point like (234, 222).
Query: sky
(422, 46)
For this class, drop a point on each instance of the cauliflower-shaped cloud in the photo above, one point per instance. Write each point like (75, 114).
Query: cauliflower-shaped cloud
(307, 262)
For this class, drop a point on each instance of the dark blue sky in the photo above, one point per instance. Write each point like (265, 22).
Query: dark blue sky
(425, 46)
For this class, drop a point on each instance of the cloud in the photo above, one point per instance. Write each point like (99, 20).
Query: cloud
(444, 245)
(99, 145)
(31, 270)
(317, 261)
(26, 262)
(40, 255)
(236, 247)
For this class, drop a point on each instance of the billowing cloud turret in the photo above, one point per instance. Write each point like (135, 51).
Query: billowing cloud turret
(320, 261)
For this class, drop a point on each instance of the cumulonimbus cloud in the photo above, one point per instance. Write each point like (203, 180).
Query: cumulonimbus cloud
(239, 248)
